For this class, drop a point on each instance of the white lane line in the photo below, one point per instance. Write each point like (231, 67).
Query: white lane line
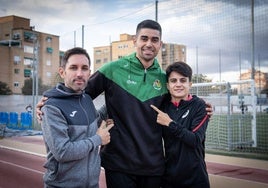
(23, 167)
(23, 151)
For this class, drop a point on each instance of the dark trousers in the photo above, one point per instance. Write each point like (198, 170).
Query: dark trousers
(116, 179)
(204, 184)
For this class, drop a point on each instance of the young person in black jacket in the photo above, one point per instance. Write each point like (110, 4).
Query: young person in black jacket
(185, 121)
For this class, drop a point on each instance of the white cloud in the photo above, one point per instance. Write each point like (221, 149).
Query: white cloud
(209, 25)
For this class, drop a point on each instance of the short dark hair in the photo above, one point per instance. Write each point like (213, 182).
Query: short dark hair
(73, 51)
(150, 24)
(181, 68)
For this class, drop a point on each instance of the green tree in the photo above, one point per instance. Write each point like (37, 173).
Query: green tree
(200, 78)
(265, 90)
(58, 78)
(4, 89)
(27, 88)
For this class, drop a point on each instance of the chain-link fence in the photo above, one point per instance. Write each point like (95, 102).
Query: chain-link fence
(238, 123)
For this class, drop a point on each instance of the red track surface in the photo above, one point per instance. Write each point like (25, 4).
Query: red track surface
(20, 169)
(238, 172)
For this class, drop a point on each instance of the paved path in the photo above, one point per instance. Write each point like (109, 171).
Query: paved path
(224, 172)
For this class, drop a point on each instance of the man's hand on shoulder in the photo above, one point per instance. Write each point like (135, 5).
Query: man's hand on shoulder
(38, 111)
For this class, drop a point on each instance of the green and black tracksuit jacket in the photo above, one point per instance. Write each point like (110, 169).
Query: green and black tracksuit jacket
(136, 139)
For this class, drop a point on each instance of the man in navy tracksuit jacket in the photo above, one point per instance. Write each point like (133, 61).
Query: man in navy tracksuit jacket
(70, 128)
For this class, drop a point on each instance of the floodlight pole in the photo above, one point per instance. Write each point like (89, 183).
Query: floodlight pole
(35, 79)
(74, 38)
(83, 27)
(156, 10)
(253, 41)
(254, 131)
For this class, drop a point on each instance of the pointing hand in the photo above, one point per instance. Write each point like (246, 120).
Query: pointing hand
(162, 118)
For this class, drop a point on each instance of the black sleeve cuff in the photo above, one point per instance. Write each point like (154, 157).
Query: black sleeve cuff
(172, 124)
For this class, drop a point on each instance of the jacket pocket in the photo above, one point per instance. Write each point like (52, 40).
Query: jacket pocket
(52, 167)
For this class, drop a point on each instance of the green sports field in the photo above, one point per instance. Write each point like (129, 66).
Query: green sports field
(232, 135)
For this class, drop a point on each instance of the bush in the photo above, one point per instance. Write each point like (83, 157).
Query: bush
(4, 89)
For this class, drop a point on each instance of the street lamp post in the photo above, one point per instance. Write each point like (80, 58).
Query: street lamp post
(35, 77)
(252, 42)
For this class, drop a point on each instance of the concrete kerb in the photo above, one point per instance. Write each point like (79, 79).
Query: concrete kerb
(237, 161)
(28, 141)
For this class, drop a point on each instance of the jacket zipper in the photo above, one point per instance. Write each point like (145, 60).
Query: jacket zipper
(144, 76)
(80, 103)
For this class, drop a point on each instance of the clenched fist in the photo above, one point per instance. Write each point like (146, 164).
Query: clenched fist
(103, 132)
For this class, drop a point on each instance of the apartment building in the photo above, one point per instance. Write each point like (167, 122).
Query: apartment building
(171, 53)
(102, 55)
(260, 79)
(168, 54)
(26, 53)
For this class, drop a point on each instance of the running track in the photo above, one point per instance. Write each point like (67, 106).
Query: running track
(20, 169)
(23, 170)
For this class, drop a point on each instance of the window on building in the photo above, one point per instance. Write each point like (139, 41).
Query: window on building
(98, 61)
(49, 50)
(16, 60)
(29, 36)
(98, 52)
(16, 71)
(27, 73)
(48, 63)
(28, 61)
(61, 54)
(28, 49)
(105, 60)
(183, 50)
(49, 74)
(16, 36)
(49, 39)
(16, 84)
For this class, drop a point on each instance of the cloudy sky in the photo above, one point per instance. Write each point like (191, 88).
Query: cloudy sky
(216, 32)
